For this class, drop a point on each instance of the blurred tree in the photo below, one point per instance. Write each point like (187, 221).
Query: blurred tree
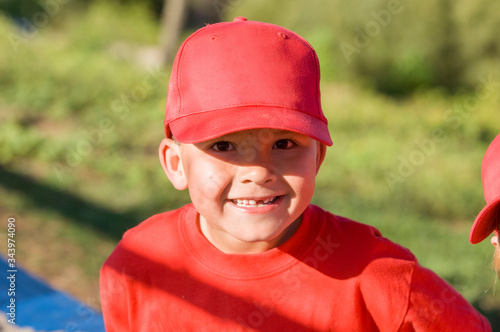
(18, 9)
(448, 65)
(172, 22)
(180, 15)
(175, 16)
(395, 46)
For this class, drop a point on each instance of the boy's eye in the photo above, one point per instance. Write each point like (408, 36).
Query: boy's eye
(222, 146)
(283, 144)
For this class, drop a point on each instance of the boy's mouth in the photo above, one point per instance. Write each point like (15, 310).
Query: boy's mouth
(255, 202)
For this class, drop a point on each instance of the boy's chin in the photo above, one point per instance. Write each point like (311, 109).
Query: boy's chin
(269, 237)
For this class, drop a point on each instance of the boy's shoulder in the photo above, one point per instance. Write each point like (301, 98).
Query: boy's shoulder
(160, 222)
(354, 238)
(158, 234)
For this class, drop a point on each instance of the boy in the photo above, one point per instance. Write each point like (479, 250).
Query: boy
(246, 135)
(488, 219)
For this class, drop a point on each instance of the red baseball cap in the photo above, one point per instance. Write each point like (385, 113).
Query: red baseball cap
(488, 219)
(241, 75)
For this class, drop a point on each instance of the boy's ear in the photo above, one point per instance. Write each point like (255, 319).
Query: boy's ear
(170, 159)
(320, 155)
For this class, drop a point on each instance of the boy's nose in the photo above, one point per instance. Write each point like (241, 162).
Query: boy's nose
(258, 174)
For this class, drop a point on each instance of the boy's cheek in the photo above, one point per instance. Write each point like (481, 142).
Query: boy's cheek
(210, 184)
(207, 192)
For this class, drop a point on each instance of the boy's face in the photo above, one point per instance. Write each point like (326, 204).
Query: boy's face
(250, 187)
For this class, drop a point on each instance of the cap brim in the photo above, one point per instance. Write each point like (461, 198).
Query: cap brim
(208, 125)
(486, 222)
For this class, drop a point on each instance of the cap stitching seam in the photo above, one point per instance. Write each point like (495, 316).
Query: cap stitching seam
(181, 63)
(316, 67)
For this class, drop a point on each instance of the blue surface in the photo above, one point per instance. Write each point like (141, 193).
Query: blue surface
(41, 307)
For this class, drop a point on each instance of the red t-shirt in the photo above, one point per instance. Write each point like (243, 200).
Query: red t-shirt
(333, 274)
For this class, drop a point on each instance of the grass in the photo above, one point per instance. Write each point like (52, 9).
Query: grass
(80, 126)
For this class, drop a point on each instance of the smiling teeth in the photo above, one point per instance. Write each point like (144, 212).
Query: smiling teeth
(254, 203)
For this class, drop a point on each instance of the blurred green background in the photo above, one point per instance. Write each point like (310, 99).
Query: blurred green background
(411, 90)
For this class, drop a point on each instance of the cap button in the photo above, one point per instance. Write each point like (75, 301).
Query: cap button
(240, 19)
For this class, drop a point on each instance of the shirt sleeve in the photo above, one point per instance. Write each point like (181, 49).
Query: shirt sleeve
(435, 306)
(114, 303)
